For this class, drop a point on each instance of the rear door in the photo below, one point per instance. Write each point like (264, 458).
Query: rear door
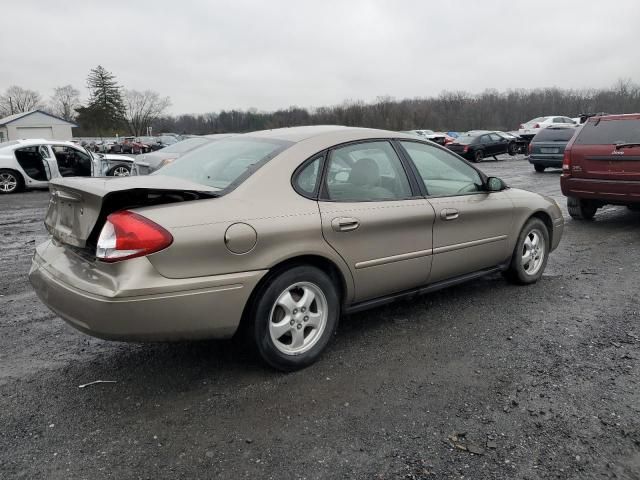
(471, 227)
(375, 220)
(599, 150)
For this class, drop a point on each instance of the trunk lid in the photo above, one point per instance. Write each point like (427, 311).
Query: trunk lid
(78, 206)
(553, 150)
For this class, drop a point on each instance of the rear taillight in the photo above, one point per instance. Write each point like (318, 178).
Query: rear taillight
(465, 149)
(127, 235)
(537, 125)
(530, 148)
(566, 161)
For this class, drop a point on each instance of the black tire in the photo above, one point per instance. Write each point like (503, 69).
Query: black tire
(517, 272)
(10, 181)
(539, 168)
(115, 171)
(512, 149)
(581, 209)
(478, 155)
(264, 304)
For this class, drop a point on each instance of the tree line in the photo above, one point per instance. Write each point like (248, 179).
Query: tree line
(457, 111)
(112, 109)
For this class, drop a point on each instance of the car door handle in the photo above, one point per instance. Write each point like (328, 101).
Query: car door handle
(449, 214)
(345, 224)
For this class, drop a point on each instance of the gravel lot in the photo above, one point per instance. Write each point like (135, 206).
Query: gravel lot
(539, 381)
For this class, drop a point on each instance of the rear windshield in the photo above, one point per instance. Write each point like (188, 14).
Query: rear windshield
(609, 132)
(185, 145)
(554, 135)
(538, 120)
(225, 163)
(465, 139)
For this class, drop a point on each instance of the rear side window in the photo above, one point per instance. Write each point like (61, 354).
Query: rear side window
(366, 172)
(609, 132)
(554, 135)
(306, 180)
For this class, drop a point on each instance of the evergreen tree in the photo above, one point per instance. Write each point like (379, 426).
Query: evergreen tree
(105, 111)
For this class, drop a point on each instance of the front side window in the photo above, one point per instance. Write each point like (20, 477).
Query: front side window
(443, 173)
(226, 162)
(366, 172)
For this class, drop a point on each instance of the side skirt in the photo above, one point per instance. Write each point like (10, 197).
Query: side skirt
(377, 302)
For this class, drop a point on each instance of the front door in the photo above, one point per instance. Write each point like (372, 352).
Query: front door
(471, 224)
(375, 221)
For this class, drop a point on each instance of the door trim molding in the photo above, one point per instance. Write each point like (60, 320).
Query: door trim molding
(394, 258)
(473, 243)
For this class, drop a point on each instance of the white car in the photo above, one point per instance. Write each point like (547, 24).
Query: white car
(529, 129)
(32, 163)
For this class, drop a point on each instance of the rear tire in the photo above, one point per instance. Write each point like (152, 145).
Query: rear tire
(539, 168)
(581, 209)
(530, 255)
(290, 332)
(478, 156)
(512, 149)
(10, 181)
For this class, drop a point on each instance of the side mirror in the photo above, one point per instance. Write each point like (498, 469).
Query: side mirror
(494, 184)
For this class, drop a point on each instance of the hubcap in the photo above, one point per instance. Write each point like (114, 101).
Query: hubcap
(298, 318)
(8, 182)
(121, 172)
(533, 251)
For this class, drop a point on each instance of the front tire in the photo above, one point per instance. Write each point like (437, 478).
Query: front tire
(10, 181)
(531, 253)
(581, 209)
(294, 317)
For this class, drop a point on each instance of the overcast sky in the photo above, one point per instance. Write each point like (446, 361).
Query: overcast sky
(209, 55)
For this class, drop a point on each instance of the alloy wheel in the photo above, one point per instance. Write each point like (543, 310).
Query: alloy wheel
(8, 182)
(533, 252)
(298, 318)
(121, 172)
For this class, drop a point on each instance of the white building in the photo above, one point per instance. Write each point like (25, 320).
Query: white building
(35, 124)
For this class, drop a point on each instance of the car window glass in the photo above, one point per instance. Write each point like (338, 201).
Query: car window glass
(306, 180)
(366, 172)
(558, 120)
(609, 132)
(495, 137)
(485, 139)
(443, 173)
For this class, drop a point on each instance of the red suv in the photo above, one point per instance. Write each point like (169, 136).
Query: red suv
(601, 165)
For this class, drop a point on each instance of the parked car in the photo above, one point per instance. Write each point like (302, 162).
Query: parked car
(149, 163)
(478, 144)
(438, 138)
(32, 163)
(601, 165)
(546, 149)
(276, 233)
(517, 143)
(529, 129)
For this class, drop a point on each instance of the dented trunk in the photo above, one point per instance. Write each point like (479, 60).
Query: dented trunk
(78, 207)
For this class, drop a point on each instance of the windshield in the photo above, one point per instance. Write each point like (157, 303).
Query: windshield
(185, 145)
(554, 135)
(221, 164)
(609, 132)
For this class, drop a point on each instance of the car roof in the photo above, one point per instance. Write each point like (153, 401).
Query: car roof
(298, 134)
(621, 116)
(30, 142)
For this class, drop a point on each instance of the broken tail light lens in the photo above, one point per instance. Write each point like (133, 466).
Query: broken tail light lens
(127, 235)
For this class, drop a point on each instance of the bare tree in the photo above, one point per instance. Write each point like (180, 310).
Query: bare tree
(64, 102)
(143, 108)
(17, 100)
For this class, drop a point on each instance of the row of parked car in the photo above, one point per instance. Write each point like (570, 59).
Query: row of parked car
(130, 145)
